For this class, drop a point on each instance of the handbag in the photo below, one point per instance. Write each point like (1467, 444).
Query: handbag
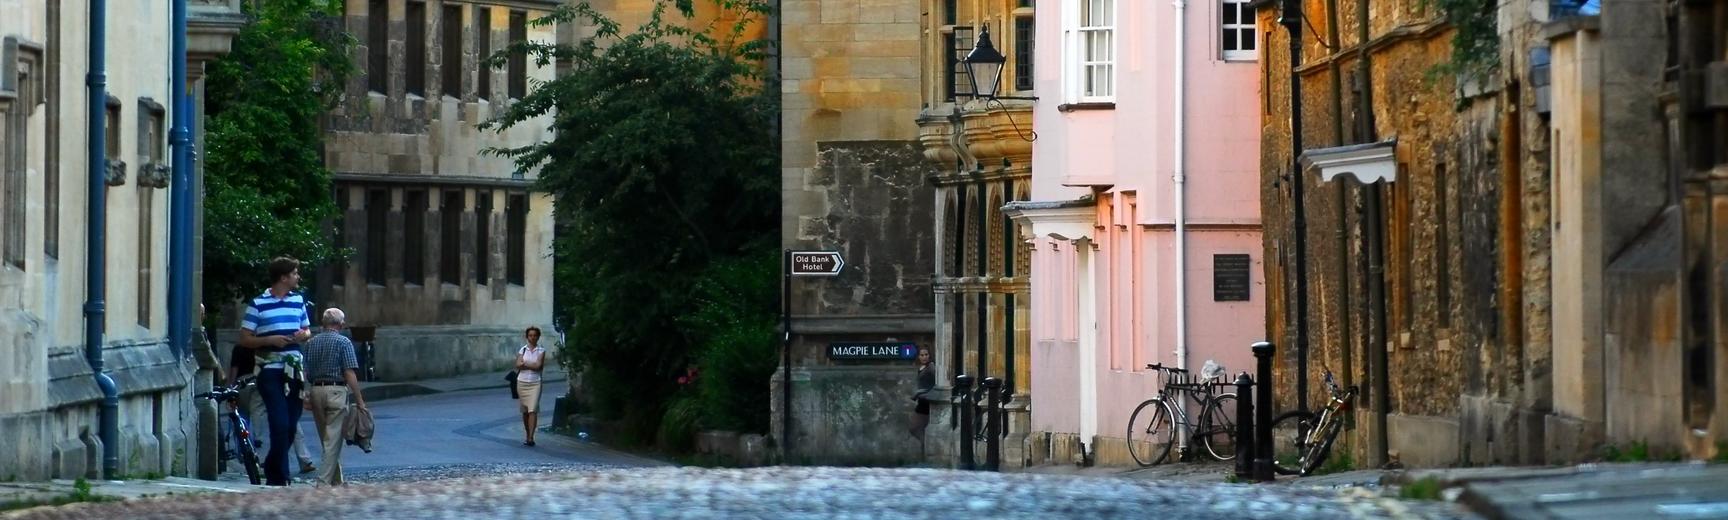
(511, 377)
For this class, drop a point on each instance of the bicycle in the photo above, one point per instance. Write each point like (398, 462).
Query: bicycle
(237, 441)
(1312, 435)
(1215, 430)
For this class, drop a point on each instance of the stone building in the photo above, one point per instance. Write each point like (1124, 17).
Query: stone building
(854, 180)
(452, 248)
(982, 159)
(50, 412)
(1533, 279)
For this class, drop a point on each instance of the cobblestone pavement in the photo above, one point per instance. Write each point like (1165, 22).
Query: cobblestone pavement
(778, 493)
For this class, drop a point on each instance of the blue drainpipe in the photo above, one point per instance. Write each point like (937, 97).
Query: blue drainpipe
(180, 195)
(96, 245)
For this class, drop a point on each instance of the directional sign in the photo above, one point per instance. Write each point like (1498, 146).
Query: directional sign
(816, 263)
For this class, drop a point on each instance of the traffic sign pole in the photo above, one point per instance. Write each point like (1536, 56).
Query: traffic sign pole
(786, 358)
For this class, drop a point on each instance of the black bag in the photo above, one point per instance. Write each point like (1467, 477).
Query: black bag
(511, 377)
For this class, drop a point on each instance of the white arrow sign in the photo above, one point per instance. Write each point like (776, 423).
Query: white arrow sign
(816, 263)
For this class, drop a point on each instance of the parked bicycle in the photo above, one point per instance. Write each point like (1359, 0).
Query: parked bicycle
(1158, 422)
(1310, 435)
(237, 440)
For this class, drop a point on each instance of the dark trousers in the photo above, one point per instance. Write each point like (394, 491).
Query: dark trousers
(282, 405)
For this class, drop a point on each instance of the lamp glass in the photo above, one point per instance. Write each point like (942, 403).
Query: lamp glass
(984, 66)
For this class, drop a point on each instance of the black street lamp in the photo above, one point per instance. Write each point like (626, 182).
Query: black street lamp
(986, 62)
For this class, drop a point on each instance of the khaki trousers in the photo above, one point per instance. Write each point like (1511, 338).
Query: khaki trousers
(329, 409)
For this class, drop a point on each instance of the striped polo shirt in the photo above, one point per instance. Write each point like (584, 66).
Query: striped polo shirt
(268, 315)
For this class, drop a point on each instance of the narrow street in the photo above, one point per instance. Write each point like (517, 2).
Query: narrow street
(465, 434)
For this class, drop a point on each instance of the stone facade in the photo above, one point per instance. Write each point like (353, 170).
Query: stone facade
(50, 413)
(1537, 303)
(452, 249)
(982, 162)
(854, 180)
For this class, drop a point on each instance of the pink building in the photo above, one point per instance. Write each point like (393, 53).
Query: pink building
(1144, 219)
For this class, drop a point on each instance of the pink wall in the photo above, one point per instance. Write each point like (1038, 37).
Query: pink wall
(1131, 150)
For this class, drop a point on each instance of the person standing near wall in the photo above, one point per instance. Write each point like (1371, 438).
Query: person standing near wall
(926, 384)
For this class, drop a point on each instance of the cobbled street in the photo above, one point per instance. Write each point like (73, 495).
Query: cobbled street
(782, 493)
(459, 455)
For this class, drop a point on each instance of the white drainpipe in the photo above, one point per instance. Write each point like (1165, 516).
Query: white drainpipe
(1181, 190)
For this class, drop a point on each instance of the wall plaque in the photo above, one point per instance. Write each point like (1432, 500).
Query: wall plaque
(1230, 278)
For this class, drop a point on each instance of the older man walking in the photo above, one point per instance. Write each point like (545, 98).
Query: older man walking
(330, 365)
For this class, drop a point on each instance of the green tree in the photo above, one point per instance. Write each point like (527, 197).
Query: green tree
(267, 192)
(663, 168)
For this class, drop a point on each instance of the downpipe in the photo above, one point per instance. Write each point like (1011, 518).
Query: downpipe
(1181, 196)
(1181, 191)
(180, 194)
(96, 243)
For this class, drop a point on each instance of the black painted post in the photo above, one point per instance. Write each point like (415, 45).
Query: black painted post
(964, 400)
(1263, 414)
(992, 431)
(1245, 440)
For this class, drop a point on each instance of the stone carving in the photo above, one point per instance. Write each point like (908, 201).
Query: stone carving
(116, 172)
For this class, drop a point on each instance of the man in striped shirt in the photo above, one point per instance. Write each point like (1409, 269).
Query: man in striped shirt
(275, 325)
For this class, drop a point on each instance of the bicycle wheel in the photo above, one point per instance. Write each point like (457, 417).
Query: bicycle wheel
(248, 456)
(1322, 447)
(1289, 441)
(1218, 427)
(1151, 431)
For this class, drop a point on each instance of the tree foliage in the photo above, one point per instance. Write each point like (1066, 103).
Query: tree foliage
(267, 192)
(663, 168)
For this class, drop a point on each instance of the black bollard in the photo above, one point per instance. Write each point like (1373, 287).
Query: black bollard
(963, 401)
(993, 430)
(1244, 434)
(1263, 414)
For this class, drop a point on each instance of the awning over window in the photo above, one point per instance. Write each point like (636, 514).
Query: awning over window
(1367, 163)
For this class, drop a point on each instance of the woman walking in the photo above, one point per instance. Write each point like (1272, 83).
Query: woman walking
(530, 359)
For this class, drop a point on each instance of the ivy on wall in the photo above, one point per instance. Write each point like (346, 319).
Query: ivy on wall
(1475, 40)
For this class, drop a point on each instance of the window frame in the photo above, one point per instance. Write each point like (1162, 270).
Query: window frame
(1076, 55)
(1245, 25)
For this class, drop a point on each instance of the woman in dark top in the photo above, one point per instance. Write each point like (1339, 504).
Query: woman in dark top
(926, 384)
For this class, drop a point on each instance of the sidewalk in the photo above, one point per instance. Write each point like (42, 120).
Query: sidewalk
(380, 390)
(19, 493)
(18, 496)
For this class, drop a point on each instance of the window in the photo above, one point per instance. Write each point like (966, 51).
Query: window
(1442, 247)
(146, 210)
(19, 95)
(111, 133)
(1092, 45)
(516, 213)
(955, 49)
(1024, 30)
(483, 237)
(518, 60)
(378, 46)
(452, 66)
(414, 237)
(482, 51)
(450, 239)
(339, 236)
(416, 43)
(152, 145)
(377, 225)
(1238, 31)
